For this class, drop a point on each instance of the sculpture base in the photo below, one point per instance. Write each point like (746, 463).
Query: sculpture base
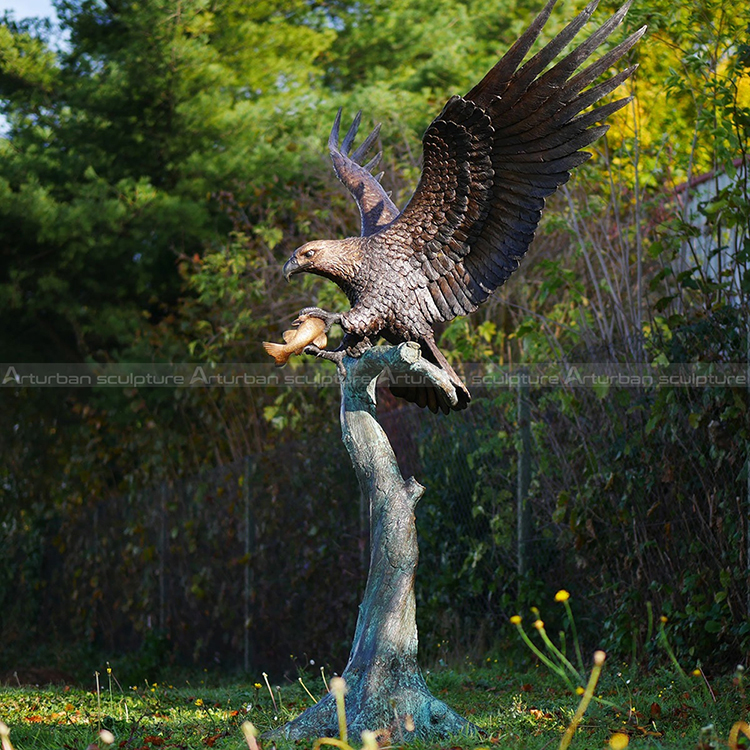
(391, 700)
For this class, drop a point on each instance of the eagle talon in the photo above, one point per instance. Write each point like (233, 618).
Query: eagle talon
(315, 312)
(335, 356)
(332, 356)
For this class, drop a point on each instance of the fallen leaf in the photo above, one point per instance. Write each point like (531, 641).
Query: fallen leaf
(649, 733)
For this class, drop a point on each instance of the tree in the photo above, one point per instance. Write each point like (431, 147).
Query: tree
(116, 147)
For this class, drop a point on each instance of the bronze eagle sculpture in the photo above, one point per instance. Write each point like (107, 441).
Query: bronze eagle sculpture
(490, 159)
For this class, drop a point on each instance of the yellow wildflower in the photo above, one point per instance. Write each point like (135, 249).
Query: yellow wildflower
(619, 741)
(562, 596)
(538, 624)
(199, 701)
(663, 618)
(515, 620)
(696, 673)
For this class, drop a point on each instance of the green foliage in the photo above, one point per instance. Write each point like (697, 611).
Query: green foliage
(467, 562)
(134, 572)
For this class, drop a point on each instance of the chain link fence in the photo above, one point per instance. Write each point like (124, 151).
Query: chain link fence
(261, 564)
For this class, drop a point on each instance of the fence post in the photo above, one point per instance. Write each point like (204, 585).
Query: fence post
(523, 516)
(249, 538)
(162, 556)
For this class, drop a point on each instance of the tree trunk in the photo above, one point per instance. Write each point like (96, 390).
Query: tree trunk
(386, 691)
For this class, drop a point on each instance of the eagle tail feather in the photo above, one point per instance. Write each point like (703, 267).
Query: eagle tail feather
(431, 396)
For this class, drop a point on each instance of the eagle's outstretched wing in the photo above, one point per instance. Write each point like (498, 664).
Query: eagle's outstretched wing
(375, 206)
(492, 157)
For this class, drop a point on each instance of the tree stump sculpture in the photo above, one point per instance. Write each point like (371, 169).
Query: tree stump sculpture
(386, 689)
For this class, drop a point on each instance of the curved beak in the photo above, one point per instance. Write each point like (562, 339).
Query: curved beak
(290, 267)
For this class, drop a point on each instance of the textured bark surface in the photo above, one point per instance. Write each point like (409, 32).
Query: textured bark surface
(386, 689)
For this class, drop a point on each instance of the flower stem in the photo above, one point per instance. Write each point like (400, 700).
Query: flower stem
(670, 653)
(573, 630)
(544, 659)
(559, 654)
(599, 657)
(338, 688)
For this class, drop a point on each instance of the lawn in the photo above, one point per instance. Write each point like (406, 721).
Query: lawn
(516, 710)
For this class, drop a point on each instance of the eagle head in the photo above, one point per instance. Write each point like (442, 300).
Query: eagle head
(334, 259)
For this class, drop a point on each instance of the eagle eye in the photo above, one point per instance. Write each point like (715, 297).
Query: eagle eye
(309, 253)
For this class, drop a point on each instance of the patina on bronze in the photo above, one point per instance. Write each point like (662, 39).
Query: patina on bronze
(490, 159)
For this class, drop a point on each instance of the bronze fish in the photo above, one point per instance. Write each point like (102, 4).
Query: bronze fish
(310, 331)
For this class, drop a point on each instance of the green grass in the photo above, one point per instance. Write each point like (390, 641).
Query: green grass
(517, 710)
